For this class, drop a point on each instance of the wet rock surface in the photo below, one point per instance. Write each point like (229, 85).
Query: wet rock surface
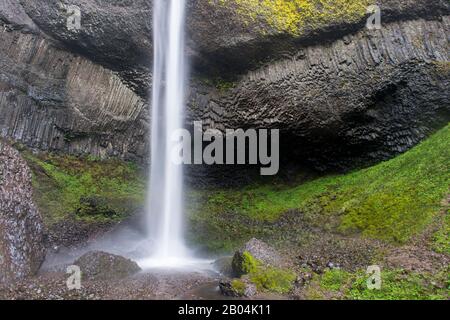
(21, 229)
(98, 265)
(223, 266)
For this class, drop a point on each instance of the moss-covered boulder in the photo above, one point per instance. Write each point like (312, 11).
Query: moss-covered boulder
(97, 265)
(252, 254)
(259, 266)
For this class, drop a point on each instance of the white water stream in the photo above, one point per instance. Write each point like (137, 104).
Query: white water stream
(165, 199)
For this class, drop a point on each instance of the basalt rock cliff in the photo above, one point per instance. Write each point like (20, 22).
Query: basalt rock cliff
(342, 94)
(21, 229)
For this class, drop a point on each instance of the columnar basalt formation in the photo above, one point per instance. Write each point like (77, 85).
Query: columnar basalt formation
(343, 95)
(52, 99)
(365, 97)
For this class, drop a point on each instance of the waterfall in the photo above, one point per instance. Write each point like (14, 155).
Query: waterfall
(165, 204)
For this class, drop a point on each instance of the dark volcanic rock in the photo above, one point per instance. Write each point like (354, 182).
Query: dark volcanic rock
(98, 265)
(116, 34)
(21, 236)
(350, 102)
(343, 96)
(70, 232)
(221, 41)
(12, 14)
(51, 99)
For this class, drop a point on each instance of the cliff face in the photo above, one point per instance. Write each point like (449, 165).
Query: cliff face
(370, 95)
(21, 229)
(225, 37)
(52, 99)
(337, 90)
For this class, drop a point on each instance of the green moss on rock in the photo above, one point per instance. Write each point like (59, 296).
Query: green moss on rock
(273, 279)
(266, 278)
(247, 264)
(238, 286)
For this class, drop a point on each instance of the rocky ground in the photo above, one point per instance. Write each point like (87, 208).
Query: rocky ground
(333, 253)
(143, 286)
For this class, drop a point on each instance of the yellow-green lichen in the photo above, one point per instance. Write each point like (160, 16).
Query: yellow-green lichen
(442, 67)
(294, 16)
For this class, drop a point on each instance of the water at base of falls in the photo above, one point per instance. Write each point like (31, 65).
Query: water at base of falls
(176, 263)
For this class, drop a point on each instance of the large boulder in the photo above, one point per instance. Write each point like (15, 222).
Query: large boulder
(97, 265)
(21, 231)
(258, 266)
(252, 254)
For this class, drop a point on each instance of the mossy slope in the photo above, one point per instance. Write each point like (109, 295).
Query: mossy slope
(87, 188)
(391, 201)
(395, 285)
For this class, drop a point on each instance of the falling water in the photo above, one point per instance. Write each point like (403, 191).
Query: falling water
(164, 247)
(165, 207)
